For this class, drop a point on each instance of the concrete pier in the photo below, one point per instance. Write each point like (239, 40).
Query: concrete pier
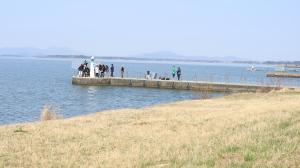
(170, 84)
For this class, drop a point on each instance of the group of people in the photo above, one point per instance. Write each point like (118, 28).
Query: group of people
(84, 70)
(174, 72)
(100, 70)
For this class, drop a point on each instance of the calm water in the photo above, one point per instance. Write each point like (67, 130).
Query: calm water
(26, 85)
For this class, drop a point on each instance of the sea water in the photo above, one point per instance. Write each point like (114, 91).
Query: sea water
(27, 85)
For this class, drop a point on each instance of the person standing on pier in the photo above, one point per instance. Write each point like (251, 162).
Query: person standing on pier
(103, 71)
(106, 70)
(178, 73)
(122, 71)
(97, 71)
(112, 69)
(80, 70)
(173, 71)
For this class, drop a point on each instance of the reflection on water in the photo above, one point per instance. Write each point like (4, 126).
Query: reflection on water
(92, 97)
(91, 92)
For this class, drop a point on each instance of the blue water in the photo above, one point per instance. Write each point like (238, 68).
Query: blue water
(26, 85)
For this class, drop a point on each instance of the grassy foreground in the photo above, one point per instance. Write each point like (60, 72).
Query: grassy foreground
(243, 130)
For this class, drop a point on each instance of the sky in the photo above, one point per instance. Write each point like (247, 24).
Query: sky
(249, 29)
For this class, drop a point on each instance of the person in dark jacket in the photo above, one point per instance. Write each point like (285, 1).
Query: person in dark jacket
(107, 68)
(178, 73)
(112, 69)
(85, 70)
(85, 63)
(122, 71)
(103, 71)
(100, 70)
(80, 70)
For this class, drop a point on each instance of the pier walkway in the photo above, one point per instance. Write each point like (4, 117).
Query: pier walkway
(173, 84)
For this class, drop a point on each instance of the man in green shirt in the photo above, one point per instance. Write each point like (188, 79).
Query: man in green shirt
(173, 71)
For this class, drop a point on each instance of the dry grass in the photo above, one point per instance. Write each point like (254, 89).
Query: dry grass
(243, 130)
(48, 113)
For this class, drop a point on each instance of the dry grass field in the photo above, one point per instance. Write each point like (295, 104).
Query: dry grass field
(241, 130)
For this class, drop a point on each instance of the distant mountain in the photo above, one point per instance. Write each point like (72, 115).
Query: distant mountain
(33, 51)
(173, 56)
(64, 52)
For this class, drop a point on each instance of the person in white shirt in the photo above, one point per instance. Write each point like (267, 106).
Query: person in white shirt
(97, 71)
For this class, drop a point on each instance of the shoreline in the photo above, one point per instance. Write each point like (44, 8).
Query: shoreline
(249, 129)
(112, 111)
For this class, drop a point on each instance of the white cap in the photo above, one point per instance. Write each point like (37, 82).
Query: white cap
(92, 58)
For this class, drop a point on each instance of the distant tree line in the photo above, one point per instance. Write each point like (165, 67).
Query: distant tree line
(282, 62)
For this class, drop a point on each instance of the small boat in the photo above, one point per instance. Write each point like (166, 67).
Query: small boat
(252, 68)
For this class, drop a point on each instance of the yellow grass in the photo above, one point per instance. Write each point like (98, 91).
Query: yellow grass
(243, 130)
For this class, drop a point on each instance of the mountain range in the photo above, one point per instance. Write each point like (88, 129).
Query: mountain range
(67, 52)
(172, 55)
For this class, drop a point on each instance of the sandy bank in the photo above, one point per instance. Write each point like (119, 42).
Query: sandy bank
(242, 130)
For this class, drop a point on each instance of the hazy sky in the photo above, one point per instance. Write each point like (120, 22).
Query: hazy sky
(249, 29)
